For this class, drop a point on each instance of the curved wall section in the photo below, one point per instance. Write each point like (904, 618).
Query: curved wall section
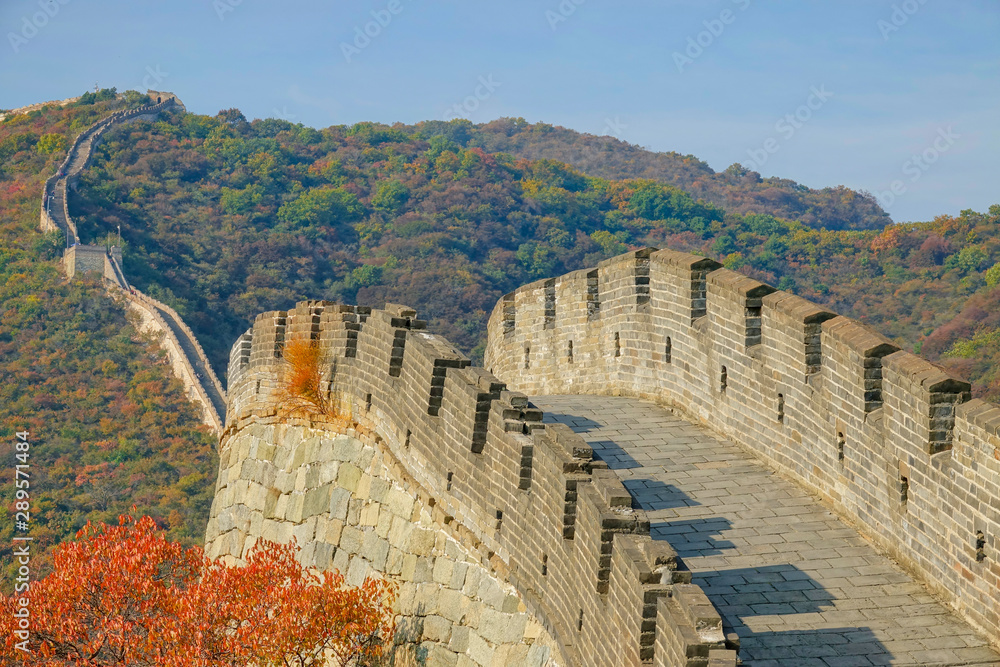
(524, 498)
(349, 506)
(893, 442)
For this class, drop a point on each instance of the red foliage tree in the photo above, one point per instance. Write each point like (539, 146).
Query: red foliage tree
(124, 595)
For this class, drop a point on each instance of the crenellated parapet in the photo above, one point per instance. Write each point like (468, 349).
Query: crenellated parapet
(529, 498)
(889, 439)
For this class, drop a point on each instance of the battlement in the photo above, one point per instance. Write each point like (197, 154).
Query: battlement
(889, 439)
(545, 516)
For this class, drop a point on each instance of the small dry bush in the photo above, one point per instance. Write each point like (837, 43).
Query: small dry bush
(300, 386)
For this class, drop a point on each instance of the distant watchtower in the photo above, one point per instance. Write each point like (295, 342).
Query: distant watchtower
(92, 259)
(160, 96)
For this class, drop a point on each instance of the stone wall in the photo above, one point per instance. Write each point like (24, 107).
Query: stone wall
(84, 259)
(349, 504)
(149, 321)
(77, 158)
(889, 439)
(524, 500)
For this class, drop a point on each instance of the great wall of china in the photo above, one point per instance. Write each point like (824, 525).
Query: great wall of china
(666, 463)
(511, 543)
(187, 358)
(36, 107)
(686, 379)
(887, 439)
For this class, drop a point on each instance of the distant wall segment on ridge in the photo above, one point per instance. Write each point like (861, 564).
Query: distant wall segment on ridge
(80, 259)
(77, 159)
(525, 499)
(150, 320)
(892, 441)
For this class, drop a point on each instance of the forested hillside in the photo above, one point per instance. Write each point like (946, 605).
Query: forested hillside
(228, 218)
(109, 425)
(737, 189)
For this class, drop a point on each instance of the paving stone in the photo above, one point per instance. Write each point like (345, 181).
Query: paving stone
(798, 585)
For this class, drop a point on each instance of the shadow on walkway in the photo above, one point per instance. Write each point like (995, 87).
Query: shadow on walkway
(575, 422)
(608, 451)
(755, 602)
(652, 495)
(693, 537)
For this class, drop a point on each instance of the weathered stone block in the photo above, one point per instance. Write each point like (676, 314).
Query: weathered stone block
(437, 628)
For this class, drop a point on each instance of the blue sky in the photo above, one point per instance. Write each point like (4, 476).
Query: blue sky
(874, 84)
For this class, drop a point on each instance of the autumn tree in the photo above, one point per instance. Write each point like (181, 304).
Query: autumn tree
(125, 595)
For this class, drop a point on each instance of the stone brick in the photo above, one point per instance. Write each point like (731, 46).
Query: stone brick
(438, 656)
(437, 628)
(479, 651)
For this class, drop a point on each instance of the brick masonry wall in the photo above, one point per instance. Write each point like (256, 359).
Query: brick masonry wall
(890, 440)
(84, 259)
(525, 501)
(149, 321)
(348, 504)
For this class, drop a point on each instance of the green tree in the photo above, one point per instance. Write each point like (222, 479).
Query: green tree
(610, 243)
(320, 207)
(237, 202)
(390, 197)
(51, 143)
(993, 275)
(538, 259)
(134, 99)
(968, 259)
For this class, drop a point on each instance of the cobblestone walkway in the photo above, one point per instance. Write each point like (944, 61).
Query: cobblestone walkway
(798, 585)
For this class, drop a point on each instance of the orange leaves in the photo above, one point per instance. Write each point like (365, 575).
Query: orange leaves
(276, 608)
(888, 239)
(106, 595)
(620, 193)
(300, 388)
(124, 595)
(302, 377)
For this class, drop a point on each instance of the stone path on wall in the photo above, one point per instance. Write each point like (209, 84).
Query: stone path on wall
(195, 357)
(57, 209)
(799, 586)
